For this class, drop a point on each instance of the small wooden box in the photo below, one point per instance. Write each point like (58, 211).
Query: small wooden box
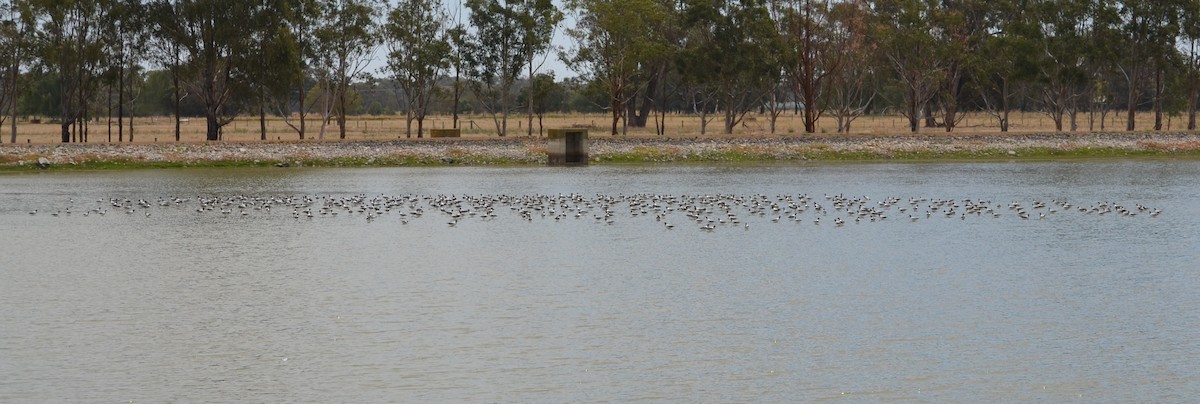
(445, 132)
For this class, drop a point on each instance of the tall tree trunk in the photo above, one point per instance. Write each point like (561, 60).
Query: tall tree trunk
(12, 106)
(262, 116)
(341, 115)
(68, 117)
(951, 115)
(175, 94)
(212, 113)
(457, 93)
(616, 118)
(774, 107)
(1129, 124)
(1131, 100)
(303, 110)
(661, 128)
(810, 110)
(421, 112)
(1057, 117)
(175, 78)
(504, 111)
(624, 125)
(1158, 96)
(643, 111)
(121, 100)
(1004, 106)
(729, 118)
(614, 104)
(13, 75)
(303, 68)
(109, 113)
(927, 112)
(529, 101)
(914, 118)
(213, 128)
(324, 109)
(1192, 110)
(454, 108)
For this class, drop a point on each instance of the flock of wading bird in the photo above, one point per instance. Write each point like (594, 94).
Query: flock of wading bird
(705, 212)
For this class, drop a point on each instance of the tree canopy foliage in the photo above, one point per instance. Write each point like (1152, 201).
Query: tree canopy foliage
(76, 62)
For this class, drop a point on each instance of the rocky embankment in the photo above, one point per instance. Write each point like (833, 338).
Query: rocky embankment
(602, 149)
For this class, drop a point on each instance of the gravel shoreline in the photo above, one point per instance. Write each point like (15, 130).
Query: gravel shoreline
(523, 150)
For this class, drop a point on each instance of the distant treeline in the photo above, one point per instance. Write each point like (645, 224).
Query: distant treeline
(637, 60)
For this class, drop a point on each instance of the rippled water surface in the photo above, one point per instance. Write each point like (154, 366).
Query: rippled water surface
(274, 306)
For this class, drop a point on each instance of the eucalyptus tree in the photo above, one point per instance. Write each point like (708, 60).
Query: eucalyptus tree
(854, 86)
(814, 52)
(659, 78)
(457, 38)
(614, 40)
(1189, 52)
(539, 20)
(70, 46)
(13, 31)
(124, 30)
(1005, 59)
(546, 94)
(732, 48)
(297, 37)
(166, 51)
(495, 57)
(1165, 29)
(346, 41)
(905, 36)
(275, 65)
(8, 79)
(214, 37)
(269, 63)
(960, 27)
(1149, 30)
(418, 52)
(698, 72)
(1065, 53)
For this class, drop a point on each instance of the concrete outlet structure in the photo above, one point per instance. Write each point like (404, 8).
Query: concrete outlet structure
(567, 147)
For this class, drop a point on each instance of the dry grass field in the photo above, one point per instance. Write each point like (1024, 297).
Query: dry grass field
(246, 129)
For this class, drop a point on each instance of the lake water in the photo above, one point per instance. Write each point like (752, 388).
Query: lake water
(563, 291)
